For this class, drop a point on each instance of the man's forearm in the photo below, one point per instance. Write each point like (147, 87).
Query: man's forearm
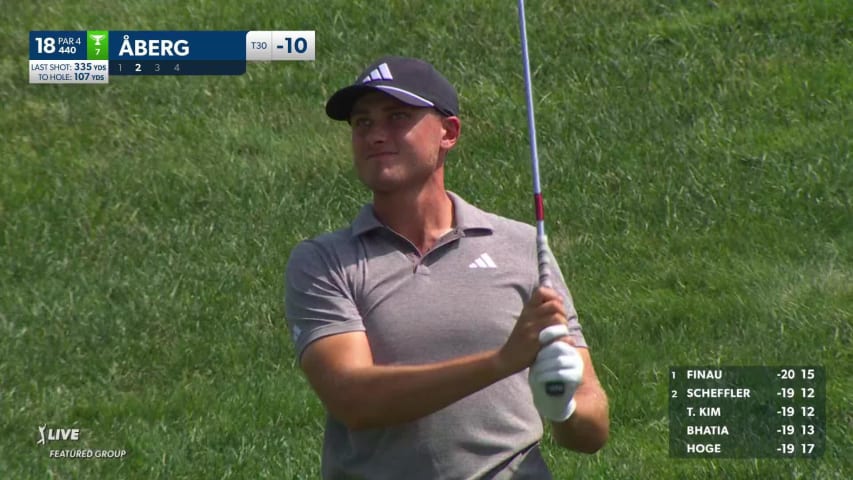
(382, 396)
(588, 428)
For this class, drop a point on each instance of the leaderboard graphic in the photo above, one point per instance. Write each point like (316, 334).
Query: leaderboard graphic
(92, 56)
(747, 412)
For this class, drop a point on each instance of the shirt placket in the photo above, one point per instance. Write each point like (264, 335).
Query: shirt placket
(418, 266)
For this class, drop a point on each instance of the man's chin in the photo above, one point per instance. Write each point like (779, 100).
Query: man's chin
(383, 184)
(388, 184)
(384, 188)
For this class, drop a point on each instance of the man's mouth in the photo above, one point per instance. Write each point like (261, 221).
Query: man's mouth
(376, 155)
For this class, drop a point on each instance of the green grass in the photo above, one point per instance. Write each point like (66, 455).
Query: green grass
(696, 159)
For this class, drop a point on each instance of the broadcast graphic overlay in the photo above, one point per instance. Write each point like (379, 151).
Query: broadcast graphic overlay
(70, 445)
(92, 56)
(747, 412)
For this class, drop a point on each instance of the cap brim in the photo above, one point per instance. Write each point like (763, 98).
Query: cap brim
(341, 102)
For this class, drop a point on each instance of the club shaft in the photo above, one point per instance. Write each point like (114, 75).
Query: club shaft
(542, 248)
(531, 123)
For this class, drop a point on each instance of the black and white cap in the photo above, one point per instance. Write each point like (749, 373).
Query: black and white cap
(410, 80)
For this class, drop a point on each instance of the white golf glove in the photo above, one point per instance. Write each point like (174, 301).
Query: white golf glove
(558, 369)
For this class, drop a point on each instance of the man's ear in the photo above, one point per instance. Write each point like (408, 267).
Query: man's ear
(451, 127)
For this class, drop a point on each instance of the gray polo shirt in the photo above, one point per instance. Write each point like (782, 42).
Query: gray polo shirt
(460, 298)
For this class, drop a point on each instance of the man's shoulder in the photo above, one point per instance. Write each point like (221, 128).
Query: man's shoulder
(510, 225)
(507, 227)
(325, 245)
(476, 216)
(333, 240)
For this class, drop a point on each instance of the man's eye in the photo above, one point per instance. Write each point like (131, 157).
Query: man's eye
(400, 115)
(361, 122)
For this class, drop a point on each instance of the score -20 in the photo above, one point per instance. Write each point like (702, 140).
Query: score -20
(791, 374)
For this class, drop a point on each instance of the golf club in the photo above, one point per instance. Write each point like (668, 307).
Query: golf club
(543, 251)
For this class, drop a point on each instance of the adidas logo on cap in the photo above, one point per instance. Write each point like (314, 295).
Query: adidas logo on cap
(379, 73)
(413, 82)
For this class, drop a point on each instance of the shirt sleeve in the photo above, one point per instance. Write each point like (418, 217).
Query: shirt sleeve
(317, 300)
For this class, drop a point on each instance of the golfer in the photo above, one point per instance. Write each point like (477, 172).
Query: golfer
(418, 326)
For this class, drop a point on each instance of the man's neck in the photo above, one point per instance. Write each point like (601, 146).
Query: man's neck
(421, 216)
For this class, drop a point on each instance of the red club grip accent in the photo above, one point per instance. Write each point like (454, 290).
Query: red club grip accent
(540, 210)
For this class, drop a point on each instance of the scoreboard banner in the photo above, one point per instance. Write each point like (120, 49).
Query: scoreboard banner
(747, 412)
(92, 56)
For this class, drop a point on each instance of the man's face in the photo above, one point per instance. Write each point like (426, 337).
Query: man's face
(395, 146)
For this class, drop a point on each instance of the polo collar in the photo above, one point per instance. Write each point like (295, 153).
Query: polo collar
(467, 217)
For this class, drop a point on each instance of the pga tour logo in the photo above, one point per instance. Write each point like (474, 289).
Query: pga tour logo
(53, 434)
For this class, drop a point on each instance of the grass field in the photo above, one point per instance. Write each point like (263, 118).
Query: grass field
(697, 168)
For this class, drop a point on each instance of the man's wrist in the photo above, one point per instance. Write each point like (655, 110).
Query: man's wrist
(500, 369)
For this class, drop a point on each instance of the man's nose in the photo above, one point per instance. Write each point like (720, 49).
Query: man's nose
(377, 133)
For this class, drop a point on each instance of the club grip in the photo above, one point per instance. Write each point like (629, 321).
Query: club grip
(543, 253)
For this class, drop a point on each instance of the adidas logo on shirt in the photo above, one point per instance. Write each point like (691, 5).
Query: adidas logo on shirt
(379, 73)
(483, 261)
